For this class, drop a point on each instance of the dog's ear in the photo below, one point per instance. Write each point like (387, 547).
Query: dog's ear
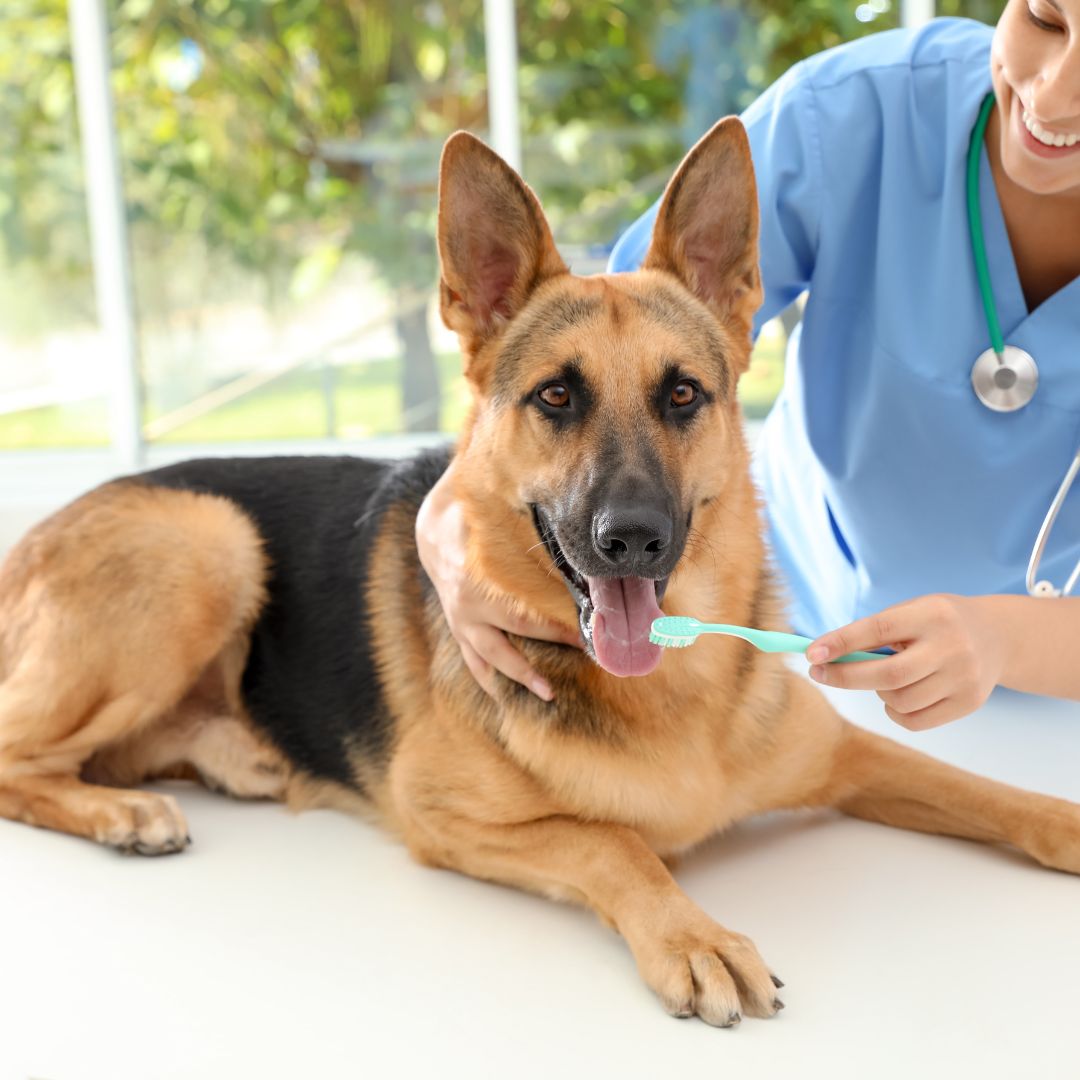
(495, 246)
(706, 230)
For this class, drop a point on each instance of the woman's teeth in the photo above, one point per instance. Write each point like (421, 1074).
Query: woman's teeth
(1047, 138)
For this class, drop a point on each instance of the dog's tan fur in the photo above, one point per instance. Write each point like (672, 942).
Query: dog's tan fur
(581, 799)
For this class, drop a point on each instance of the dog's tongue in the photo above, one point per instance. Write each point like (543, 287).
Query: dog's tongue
(625, 609)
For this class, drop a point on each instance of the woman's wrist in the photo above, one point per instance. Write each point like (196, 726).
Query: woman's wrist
(1037, 640)
(430, 521)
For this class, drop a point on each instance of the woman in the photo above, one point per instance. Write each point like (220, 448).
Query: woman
(902, 506)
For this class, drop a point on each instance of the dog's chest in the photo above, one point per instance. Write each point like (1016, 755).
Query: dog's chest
(674, 792)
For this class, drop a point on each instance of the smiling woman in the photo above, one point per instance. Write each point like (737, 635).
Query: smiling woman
(1033, 140)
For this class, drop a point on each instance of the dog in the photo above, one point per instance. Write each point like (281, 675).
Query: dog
(264, 626)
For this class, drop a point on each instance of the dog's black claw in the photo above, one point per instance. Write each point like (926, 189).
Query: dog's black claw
(777, 1005)
(776, 982)
(733, 1019)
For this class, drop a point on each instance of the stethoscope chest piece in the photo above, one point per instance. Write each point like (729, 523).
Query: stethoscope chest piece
(1007, 382)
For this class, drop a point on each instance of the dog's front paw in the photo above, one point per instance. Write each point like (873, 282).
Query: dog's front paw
(1052, 834)
(142, 822)
(696, 967)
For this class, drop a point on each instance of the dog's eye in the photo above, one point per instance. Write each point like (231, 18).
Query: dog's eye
(555, 394)
(684, 394)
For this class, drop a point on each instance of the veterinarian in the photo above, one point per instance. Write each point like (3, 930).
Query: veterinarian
(905, 476)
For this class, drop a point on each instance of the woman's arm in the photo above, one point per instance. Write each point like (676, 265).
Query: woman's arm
(953, 650)
(1042, 638)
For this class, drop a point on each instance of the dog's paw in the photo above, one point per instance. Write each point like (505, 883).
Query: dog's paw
(233, 761)
(700, 969)
(1052, 834)
(143, 822)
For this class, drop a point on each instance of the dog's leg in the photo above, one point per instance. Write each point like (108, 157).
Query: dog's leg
(40, 760)
(460, 802)
(221, 752)
(138, 821)
(208, 738)
(109, 614)
(879, 780)
(695, 965)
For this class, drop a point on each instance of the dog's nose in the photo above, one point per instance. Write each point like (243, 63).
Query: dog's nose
(631, 538)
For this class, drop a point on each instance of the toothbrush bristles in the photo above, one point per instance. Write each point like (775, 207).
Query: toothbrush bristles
(669, 642)
(674, 631)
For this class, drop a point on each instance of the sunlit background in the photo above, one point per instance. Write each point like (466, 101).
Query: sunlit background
(216, 216)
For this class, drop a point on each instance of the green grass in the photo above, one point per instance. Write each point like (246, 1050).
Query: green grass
(367, 403)
(367, 400)
(84, 423)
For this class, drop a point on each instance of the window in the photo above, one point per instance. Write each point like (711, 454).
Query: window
(279, 169)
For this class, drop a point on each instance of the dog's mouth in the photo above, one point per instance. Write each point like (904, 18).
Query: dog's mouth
(615, 614)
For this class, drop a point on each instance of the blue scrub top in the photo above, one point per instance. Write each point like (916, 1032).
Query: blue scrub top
(882, 474)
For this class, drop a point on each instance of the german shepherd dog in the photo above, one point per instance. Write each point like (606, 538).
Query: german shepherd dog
(264, 626)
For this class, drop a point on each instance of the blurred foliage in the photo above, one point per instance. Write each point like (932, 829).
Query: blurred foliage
(613, 94)
(294, 130)
(987, 11)
(278, 131)
(43, 237)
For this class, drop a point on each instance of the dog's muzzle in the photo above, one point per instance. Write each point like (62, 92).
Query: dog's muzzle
(600, 601)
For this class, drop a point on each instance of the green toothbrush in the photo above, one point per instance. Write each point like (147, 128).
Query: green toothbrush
(678, 631)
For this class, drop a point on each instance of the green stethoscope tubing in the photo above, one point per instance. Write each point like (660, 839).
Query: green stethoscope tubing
(978, 244)
(1035, 587)
(1004, 377)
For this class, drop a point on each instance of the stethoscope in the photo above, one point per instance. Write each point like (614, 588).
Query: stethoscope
(1005, 377)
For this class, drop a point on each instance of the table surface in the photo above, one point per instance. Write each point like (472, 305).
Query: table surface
(311, 946)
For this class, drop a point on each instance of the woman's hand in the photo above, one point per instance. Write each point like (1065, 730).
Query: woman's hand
(950, 654)
(479, 624)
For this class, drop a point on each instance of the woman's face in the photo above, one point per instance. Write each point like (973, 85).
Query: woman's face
(1035, 65)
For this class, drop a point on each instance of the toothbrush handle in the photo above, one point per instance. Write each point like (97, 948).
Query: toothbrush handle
(775, 641)
(852, 657)
(778, 641)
